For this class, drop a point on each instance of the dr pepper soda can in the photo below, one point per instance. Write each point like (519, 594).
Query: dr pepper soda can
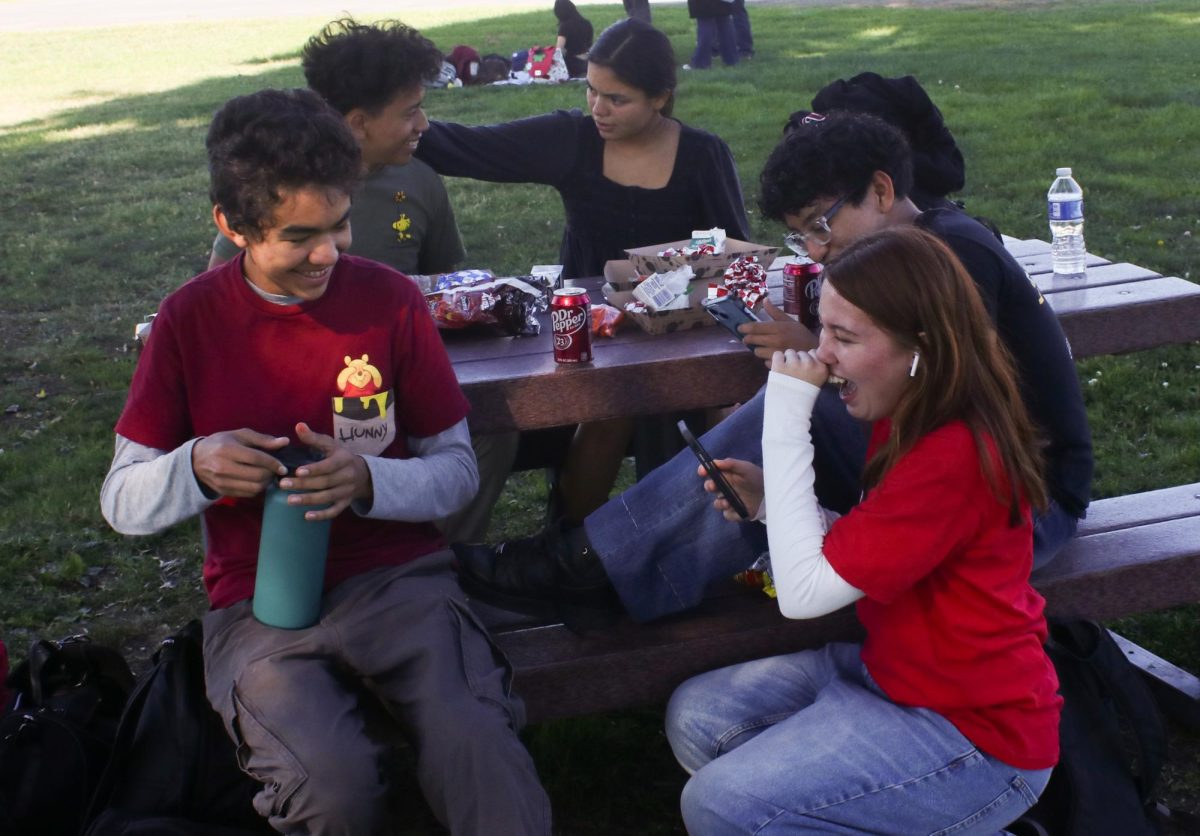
(802, 292)
(569, 315)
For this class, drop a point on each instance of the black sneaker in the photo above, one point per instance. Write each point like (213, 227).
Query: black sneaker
(553, 575)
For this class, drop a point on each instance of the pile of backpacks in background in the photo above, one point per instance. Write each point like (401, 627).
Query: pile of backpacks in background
(463, 65)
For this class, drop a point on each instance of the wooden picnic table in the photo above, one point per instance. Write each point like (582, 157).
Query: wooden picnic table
(514, 383)
(1133, 554)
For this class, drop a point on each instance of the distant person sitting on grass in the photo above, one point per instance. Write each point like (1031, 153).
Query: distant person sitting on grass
(251, 357)
(574, 37)
(373, 75)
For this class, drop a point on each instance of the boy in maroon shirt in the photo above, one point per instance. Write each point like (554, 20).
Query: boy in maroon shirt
(293, 342)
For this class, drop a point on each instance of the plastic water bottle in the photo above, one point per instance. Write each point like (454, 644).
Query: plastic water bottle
(291, 556)
(1064, 204)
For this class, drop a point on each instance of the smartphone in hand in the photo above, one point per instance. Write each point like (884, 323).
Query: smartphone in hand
(714, 472)
(730, 312)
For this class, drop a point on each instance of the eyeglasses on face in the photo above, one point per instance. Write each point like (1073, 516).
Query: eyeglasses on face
(818, 231)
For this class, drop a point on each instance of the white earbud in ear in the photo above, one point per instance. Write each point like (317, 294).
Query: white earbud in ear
(912, 370)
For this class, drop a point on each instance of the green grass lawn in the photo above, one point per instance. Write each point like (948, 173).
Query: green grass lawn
(105, 212)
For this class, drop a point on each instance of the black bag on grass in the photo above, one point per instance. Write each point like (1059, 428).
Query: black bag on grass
(173, 767)
(1112, 739)
(54, 741)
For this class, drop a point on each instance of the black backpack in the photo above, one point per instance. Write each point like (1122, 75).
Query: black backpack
(938, 166)
(1112, 739)
(174, 768)
(57, 735)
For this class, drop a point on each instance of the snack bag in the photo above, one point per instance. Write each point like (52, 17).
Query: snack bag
(758, 576)
(606, 319)
(470, 297)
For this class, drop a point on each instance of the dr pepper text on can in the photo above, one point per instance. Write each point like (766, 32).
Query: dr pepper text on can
(570, 320)
(802, 292)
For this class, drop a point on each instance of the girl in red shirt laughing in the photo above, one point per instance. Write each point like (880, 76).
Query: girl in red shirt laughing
(946, 717)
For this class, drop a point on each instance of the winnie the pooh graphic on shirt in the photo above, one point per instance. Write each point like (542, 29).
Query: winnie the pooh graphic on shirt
(364, 418)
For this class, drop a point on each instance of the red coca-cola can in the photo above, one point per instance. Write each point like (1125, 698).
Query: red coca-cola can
(570, 324)
(802, 292)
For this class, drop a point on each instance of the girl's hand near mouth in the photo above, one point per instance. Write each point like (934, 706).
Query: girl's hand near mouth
(802, 365)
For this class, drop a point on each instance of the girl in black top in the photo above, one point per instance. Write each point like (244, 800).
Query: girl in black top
(629, 175)
(574, 37)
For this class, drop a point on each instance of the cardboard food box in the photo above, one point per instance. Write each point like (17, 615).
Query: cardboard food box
(663, 322)
(646, 260)
(621, 275)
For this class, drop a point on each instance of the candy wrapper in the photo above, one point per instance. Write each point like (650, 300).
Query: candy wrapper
(704, 242)
(462, 278)
(747, 278)
(606, 319)
(552, 273)
(690, 249)
(708, 266)
(714, 237)
(665, 291)
(423, 283)
(759, 576)
(473, 297)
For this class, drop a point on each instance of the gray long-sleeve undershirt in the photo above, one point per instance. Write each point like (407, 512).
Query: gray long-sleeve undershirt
(147, 489)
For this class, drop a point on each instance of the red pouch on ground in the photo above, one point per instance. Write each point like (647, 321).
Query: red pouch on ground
(606, 319)
(466, 63)
(475, 297)
(540, 60)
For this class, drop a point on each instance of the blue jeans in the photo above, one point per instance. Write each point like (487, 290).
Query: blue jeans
(1051, 531)
(741, 29)
(807, 743)
(718, 31)
(662, 543)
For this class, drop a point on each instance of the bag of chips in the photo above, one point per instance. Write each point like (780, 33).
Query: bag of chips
(476, 297)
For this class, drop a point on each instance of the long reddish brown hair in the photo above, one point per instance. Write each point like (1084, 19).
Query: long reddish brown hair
(913, 287)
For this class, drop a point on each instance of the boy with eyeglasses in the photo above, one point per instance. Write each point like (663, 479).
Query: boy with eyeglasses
(655, 549)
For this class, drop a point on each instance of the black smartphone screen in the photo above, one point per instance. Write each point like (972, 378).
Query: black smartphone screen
(730, 312)
(713, 471)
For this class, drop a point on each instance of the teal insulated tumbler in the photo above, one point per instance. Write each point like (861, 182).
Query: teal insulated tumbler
(291, 556)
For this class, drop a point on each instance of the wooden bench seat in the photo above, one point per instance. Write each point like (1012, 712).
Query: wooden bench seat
(1133, 554)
